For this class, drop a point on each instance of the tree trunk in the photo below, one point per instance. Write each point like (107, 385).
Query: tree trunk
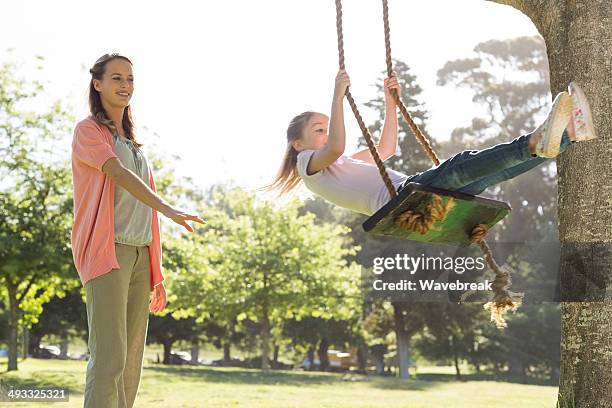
(226, 352)
(362, 358)
(195, 352)
(25, 342)
(64, 347)
(167, 349)
(378, 355)
(13, 323)
(265, 339)
(34, 345)
(322, 352)
(403, 342)
(276, 350)
(265, 326)
(457, 370)
(456, 358)
(231, 327)
(310, 357)
(579, 45)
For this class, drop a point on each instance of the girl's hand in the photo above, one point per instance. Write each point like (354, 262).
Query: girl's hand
(181, 218)
(391, 83)
(157, 303)
(342, 83)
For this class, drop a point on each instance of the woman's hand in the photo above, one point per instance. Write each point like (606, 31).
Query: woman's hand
(157, 303)
(342, 83)
(390, 84)
(181, 218)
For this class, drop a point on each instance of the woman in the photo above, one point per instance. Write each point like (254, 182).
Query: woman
(116, 237)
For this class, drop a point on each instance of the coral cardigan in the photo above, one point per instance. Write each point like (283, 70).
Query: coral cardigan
(93, 231)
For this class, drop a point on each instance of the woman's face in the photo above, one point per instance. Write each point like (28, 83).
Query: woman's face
(117, 84)
(314, 135)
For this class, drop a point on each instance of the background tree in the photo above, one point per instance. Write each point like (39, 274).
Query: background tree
(64, 317)
(310, 335)
(273, 265)
(509, 80)
(450, 332)
(167, 330)
(35, 204)
(378, 328)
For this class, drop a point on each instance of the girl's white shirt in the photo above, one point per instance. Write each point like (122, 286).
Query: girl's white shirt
(349, 183)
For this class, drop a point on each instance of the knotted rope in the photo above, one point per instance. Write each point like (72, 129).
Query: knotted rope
(422, 221)
(502, 299)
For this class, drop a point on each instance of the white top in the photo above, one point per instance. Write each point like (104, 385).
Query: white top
(133, 218)
(349, 183)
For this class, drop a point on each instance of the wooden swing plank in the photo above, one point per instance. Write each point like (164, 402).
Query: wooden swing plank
(455, 228)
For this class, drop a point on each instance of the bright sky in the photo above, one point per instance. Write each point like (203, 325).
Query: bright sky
(220, 80)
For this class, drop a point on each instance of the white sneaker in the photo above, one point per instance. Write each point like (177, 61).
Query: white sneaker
(548, 135)
(580, 126)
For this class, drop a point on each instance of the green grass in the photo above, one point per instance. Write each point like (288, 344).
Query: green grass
(231, 387)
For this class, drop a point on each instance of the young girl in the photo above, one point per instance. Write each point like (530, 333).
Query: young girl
(316, 155)
(115, 237)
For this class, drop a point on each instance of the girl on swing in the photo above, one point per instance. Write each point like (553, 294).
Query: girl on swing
(316, 143)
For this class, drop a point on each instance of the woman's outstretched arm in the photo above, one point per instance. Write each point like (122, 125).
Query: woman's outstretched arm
(135, 186)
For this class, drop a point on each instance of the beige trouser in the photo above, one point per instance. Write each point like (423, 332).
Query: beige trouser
(117, 315)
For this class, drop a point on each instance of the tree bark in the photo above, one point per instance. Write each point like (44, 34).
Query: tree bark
(265, 339)
(403, 343)
(167, 349)
(226, 352)
(310, 357)
(378, 355)
(275, 351)
(195, 352)
(579, 45)
(64, 347)
(12, 326)
(362, 358)
(456, 359)
(322, 352)
(25, 341)
(34, 345)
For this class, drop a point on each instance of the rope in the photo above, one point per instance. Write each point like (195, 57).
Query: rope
(402, 108)
(364, 130)
(422, 221)
(502, 299)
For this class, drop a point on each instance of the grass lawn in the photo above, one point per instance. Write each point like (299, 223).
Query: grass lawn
(201, 386)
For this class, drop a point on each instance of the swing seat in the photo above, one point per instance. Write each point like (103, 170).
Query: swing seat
(455, 228)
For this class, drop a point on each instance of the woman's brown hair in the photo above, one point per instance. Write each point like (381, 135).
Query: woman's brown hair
(287, 177)
(95, 102)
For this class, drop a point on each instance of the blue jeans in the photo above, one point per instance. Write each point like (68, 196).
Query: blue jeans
(472, 171)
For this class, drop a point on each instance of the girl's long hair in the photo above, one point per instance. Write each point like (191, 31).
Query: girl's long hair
(287, 177)
(95, 102)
